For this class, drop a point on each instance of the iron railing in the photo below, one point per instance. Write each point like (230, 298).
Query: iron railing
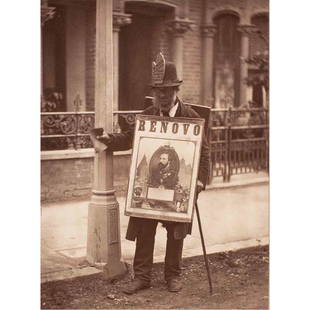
(66, 130)
(239, 142)
(239, 138)
(70, 130)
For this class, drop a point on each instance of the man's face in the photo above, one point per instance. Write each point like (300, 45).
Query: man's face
(165, 97)
(164, 158)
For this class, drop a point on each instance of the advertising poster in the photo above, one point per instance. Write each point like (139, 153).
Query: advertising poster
(164, 168)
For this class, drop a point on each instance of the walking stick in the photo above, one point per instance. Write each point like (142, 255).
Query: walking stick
(204, 249)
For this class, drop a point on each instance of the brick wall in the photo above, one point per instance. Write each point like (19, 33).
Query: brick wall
(192, 55)
(160, 39)
(68, 179)
(257, 44)
(160, 42)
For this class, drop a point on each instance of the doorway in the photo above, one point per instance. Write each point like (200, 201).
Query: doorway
(227, 62)
(139, 43)
(135, 62)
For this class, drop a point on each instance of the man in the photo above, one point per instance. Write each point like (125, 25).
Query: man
(165, 85)
(164, 175)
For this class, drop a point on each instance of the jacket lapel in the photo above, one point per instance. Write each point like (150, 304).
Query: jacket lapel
(179, 112)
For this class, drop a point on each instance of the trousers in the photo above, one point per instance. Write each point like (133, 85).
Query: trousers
(143, 259)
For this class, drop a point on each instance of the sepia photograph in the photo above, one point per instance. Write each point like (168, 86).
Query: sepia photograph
(154, 154)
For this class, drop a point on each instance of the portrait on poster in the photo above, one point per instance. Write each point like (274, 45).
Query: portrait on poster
(164, 168)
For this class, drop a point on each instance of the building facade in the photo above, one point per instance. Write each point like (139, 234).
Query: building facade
(209, 40)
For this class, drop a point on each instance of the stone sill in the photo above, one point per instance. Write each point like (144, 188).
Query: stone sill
(71, 154)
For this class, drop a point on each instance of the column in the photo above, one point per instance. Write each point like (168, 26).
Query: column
(47, 13)
(103, 236)
(119, 20)
(208, 33)
(245, 30)
(178, 28)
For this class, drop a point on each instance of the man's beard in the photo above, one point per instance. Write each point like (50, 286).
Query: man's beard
(162, 166)
(165, 105)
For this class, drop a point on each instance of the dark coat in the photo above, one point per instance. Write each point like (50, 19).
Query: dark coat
(123, 141)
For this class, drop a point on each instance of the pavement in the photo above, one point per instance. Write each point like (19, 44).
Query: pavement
(234, 215)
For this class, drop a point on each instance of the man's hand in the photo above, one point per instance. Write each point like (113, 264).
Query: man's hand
(100, 139)
(199, 187)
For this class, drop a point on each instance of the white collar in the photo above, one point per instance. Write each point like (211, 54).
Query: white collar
(173, 110)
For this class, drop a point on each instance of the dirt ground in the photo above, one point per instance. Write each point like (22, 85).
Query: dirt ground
(240, 281)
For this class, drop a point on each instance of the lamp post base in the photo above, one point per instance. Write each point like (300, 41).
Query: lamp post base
(111, 270)
(103, 236)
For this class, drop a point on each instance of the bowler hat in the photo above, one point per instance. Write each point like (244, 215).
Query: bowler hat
(164, 74)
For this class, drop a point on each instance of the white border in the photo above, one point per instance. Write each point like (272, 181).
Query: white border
(20, 156)
(290, 153)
